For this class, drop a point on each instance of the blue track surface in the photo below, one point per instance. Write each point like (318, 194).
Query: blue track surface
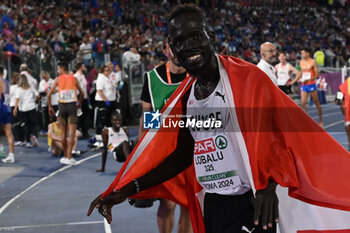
(58, 202)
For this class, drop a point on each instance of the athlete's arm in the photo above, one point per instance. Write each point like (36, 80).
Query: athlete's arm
(126, 130)
(81, 98)
(52, 90)
(146, 107)
(297, 74)
(104, 135)
(317, 73)
(176, 162)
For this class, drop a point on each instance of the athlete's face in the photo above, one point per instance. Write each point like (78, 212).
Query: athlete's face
(282, 58)
(304, 54)
(191, 42)
(116, 121)
(60, 70)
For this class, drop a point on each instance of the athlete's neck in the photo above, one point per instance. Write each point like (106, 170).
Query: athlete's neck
(174, 69)
(283, 63)
(116, 129)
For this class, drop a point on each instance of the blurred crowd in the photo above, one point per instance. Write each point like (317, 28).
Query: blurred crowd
(126, 33)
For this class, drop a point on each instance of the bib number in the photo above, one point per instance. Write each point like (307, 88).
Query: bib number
(306, 76)
(214, 163)
(67, 95)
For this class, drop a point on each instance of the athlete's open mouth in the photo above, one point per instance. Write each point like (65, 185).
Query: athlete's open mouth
(194, 58)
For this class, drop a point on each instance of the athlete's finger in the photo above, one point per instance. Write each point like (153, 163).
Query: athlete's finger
(257, 211)
(93, 205)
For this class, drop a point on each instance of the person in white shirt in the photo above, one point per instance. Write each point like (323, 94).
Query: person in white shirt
(284, 71)
(83, 120)
(131, 58)
(44, 88)
(85, 50)
(15, 121)
(31, 80)
(25, 108)
(105, 99)
(268, 57)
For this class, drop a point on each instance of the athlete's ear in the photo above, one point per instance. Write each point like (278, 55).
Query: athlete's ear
(211, 35)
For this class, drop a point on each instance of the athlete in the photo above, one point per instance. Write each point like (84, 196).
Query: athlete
(67, 111)
(284, 72)
(227, 208)
(309, 74)
(5, 118)
(116, 140)
(55, 137)
(158, 86)
(345, 106)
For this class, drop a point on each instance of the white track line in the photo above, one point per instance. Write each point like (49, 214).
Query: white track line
(48, 225)
(7, 204)
(108, 228)
(333, 124)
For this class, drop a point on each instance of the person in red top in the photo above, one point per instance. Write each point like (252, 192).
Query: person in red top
(309, 74)
(67, 110)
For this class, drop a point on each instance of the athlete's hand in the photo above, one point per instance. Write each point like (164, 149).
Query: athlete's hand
(51, 111)
(104, 205)
(266, 206)
(15, 111)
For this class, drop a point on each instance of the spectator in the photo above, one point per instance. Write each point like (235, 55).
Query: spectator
(85, 51)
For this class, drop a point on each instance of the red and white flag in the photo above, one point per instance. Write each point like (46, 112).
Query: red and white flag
(276, 138)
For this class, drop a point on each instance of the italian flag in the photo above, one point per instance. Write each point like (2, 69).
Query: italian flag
(276, 138)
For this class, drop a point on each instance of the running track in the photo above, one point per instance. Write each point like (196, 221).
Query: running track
(38, 194)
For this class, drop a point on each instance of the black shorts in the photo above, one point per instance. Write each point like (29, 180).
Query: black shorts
(68, 113)
(228, 214)
(286, 89)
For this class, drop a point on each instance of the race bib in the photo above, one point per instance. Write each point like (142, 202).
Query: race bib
(340, 95)
(67, 95)
(214, 162)
(306, 76)
(282, 79)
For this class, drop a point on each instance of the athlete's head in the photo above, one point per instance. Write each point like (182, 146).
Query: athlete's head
(116, 119)
(282, 57)
(62, 68)
(305, 53)
(190, 39)
(268, 52)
